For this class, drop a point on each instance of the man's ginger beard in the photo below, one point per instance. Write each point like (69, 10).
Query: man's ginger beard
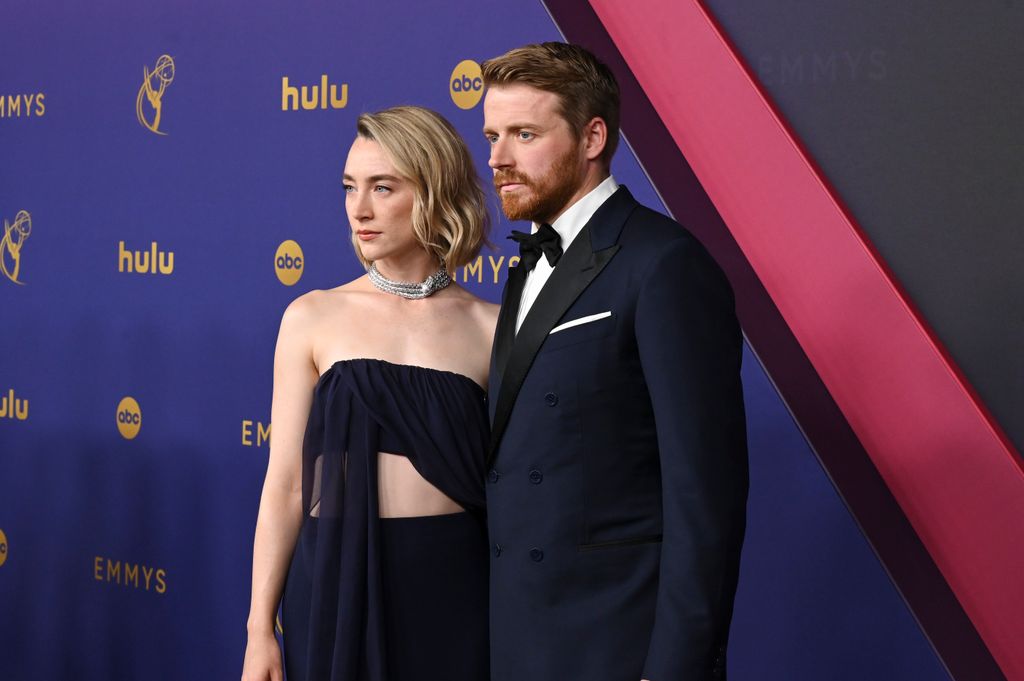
(541, 198)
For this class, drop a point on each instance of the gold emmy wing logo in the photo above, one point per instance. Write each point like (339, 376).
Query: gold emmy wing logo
(154, 83)
(288, 262)
(3, 548)
(466, 85)
(10, 246)
(129, 418)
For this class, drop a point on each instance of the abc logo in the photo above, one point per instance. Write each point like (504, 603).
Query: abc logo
(3, 547)
(129, 418)
(466, 84)
(288, 262)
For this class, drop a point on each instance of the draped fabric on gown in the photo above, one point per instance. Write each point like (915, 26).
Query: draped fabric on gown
(437, 419)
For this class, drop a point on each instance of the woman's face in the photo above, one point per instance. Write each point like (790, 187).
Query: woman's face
(379, 203)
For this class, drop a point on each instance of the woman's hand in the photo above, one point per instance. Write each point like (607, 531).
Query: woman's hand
(262, 659)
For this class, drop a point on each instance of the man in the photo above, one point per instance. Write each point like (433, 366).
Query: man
(618, 473)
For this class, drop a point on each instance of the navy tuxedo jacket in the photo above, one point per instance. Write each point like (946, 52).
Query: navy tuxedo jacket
(617, 478)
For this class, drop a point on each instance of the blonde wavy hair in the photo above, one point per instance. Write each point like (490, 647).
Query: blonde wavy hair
(449, 214)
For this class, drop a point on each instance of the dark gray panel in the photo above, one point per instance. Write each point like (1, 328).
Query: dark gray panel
(913, 111)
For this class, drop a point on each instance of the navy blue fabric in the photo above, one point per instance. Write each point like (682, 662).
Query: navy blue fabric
(618, 483)
(337, 597)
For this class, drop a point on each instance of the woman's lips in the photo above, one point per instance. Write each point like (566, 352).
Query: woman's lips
(366, 235)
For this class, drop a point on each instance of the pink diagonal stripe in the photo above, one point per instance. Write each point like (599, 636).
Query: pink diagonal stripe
(953, 472)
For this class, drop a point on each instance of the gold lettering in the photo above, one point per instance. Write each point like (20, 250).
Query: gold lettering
(40, 107)
(131, 574)
(495, 266)
(13, 105)
(147, 572)
(476, 267)
(261, 434)
(309, 103)
(124, 258)
(161, 586)
(339, 103)
(114, 569)
(97, 569)
(289, 96)
(166, 267)
(247, 432)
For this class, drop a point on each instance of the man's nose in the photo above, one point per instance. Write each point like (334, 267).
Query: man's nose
(500, 155)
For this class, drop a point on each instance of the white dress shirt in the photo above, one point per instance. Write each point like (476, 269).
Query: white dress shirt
(568, 225)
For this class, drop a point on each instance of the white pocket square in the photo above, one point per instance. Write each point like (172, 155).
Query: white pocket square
(582, 320)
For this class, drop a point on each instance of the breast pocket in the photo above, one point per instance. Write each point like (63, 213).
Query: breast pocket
(579, 330)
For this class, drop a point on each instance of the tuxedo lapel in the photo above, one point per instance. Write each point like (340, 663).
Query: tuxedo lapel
(576, 269)
(505, 333)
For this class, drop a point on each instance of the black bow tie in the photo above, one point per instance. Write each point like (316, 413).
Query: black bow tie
(545, 240)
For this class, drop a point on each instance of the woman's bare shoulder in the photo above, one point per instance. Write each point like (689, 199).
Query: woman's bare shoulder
(318, 303)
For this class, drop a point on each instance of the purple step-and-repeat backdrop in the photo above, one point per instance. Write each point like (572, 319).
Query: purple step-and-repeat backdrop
(169, 181)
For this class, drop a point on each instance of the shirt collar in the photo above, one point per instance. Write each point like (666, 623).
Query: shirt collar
(569, 223)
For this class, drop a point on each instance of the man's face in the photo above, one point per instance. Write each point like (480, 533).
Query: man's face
(538, 162)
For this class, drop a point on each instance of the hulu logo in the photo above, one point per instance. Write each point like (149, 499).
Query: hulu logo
(313, 97)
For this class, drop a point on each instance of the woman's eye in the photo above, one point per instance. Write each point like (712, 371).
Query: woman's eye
(349, 189)
(381, 188)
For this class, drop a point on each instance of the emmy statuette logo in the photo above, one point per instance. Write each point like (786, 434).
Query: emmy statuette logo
(3, 548)
(466, 84)
(154, 84)
(322, 96)
(129, 418)
(288, 262)
(13, 239)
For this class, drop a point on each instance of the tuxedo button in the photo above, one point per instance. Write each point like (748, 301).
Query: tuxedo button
(497, 550)
(551, 399)
(536, 476)
(493, 476)
(536, 555)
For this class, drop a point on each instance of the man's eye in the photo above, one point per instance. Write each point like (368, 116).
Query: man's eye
(523, 135)
(493, 139)
(349, 189)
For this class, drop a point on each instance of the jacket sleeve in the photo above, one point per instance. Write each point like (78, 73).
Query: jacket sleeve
(690, 349)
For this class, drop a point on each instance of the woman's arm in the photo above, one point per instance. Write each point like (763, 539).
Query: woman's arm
(280, 513)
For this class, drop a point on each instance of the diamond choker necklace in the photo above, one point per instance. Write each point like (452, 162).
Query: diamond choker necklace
(432, 284)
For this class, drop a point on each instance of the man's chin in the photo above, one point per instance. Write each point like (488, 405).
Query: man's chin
(515, 209)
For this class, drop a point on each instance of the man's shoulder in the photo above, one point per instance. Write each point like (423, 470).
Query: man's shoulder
(649, 232)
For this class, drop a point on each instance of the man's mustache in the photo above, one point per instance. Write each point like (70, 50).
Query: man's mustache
(509, 177)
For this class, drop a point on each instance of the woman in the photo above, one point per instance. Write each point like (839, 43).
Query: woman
(377, 451)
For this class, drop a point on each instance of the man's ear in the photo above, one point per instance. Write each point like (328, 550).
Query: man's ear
(594, 138)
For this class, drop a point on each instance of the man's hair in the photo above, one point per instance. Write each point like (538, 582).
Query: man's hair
(585, 86)
(449, 213)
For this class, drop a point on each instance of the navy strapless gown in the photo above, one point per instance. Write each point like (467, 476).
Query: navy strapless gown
(396, 599)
